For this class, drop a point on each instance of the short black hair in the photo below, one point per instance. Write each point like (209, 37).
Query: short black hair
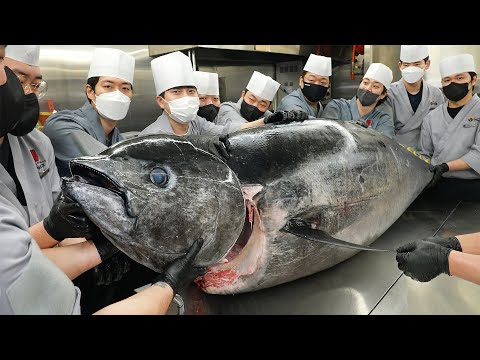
(472, 74)
(93, 81)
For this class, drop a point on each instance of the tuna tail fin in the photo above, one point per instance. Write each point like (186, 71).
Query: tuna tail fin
(301, 229)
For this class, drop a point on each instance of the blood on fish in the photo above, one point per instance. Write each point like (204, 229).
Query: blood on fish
(217, 279)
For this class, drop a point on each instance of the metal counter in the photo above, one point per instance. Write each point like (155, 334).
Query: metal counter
(367, 283)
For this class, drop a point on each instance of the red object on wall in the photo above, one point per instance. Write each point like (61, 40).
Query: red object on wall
(324, 50)
(356, 50)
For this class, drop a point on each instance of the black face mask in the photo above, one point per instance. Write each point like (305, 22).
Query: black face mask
(12, 102)
(314, 92)
(455, 92)
(250, 112)
(208, 112)
(366, 97)
(29, 118)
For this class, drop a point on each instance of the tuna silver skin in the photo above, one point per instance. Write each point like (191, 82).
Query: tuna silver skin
(346, 181)
(152, 196)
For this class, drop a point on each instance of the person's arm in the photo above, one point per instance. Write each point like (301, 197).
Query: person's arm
(52, 177)
(471, 160)
(156, 299)
(457, 165)
(425, 146)
(386, 126)
(229, 116)
(209, 128)
(470, 243)
(331, 111)
(279, 118)
(40, 235)
(153, 300)
(465, 266)
(252, 124)
(75, 259)
(439, 169)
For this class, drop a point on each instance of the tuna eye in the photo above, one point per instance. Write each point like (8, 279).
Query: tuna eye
(159, 176)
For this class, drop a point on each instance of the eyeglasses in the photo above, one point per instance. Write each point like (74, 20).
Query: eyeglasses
(40, 88)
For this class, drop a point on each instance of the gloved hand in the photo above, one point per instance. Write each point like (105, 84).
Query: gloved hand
(104, 246)
(448, 242)
(112, 269)
(67, 220)
(181, 271)
(285, 117)
(423, 260)
(437, 170)
(214, 144)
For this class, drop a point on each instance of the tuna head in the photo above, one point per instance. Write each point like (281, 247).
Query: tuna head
(152, 196)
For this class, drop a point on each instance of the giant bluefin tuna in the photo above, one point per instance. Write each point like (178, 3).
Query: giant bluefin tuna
(153, 196)
(335, 179)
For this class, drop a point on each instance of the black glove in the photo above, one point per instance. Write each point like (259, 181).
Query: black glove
(104, 246)
(214, 144)
(67, 220)
(181, 271)
(437, 170)
(285, 117)
(448, 242)
(112, 269)
(423, 260)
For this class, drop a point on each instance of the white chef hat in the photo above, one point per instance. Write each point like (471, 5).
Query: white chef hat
(456, 64)
(319, 65)
(28, 54)
(379, 72)
(172, 70)
(263, 86)
(112, 62)
(207, 83)
(413, 53)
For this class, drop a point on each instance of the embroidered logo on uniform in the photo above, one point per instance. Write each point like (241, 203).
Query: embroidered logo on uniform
(368, 122)
(433, 103)
(40, 164)
(34, 154)
(472, 122)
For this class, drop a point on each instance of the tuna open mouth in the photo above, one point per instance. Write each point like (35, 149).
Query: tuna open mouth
(85, 174)
(243, 259)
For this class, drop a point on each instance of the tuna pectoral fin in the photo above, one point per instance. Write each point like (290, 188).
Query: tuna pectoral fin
(303, 230)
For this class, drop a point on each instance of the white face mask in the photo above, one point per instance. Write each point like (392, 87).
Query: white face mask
(412, 74)
(184, 110)
(112, 105)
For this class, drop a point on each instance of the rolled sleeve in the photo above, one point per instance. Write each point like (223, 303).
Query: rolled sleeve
(331, 111)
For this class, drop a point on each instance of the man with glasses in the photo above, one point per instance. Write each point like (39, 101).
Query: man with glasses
(27, 160)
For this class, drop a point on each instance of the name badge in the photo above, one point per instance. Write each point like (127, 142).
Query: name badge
(40, 164)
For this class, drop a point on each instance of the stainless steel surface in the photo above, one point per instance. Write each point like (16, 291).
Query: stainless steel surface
(385, 54)
(363, 284)
(342, 84)
(234, 79)
(390, 55)
(438, 52)
(65, 68)
(156, 50)
(444, 294)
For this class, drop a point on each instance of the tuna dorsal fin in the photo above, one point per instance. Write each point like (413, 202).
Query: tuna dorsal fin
(301, 229)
